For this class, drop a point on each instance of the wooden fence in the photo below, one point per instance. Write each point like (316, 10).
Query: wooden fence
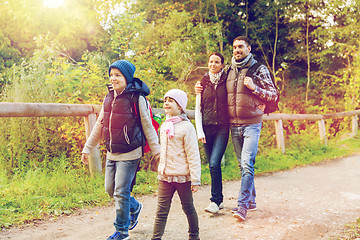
(89, 113)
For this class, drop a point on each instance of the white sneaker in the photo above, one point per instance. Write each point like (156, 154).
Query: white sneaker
(221, 206)
(212, 208)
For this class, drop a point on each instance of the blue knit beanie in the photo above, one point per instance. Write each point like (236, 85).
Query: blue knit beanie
(126, 68)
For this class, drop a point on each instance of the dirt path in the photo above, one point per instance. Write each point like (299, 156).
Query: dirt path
(311, 202)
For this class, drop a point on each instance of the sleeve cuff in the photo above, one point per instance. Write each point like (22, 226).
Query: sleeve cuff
(86, 150)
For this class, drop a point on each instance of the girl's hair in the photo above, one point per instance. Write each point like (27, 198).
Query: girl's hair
(219, 55)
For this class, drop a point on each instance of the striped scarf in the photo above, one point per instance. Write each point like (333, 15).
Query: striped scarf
(215, 77)
(243, 62)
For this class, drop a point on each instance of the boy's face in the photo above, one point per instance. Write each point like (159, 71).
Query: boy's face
(117, 80)
(171, 107)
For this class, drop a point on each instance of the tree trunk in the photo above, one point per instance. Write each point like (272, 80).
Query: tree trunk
(247, 19)
(220, 37)
(200, 12)
(307, 55)
(276, 38)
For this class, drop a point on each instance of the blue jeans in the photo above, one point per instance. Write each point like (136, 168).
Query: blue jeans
(246, 139)
(216, 141)
(118, 178)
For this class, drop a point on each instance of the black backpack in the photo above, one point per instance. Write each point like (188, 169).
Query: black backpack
(270, 106)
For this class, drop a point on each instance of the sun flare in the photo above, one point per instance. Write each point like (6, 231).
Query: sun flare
(53, 3)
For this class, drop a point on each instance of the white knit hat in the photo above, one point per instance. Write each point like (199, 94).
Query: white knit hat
(179, 96)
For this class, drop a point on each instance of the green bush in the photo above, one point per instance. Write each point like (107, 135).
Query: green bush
(40, 192)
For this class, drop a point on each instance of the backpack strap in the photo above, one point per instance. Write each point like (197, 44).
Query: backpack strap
(135, 102)
(136, 109)
(250, 72)
(252, 69)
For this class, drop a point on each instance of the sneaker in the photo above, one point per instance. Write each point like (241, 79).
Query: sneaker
(134, 217)
(240, 214)
(212, 208)
(252, 207)
(117, 236)
(234, 209)
(221, 206)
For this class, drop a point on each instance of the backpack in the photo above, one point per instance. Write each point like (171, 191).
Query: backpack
(269, 105)
(154, 119)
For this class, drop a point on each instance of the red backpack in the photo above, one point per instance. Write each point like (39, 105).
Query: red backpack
(155, 124)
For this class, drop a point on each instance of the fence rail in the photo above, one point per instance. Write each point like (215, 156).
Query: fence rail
(89, 111)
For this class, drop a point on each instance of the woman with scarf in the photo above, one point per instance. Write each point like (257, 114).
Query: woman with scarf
(212, 124)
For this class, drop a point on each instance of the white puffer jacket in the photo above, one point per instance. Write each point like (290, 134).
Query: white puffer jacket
(180, 155)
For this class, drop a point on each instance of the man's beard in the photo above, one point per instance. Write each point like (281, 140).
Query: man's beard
(240, 59)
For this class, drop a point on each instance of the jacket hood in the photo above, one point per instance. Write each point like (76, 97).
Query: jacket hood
(138, 86)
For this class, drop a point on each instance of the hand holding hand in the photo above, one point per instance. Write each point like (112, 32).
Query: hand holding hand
(248, 82)
(85, 158)
(262, 107)
(156, 157)
(203, 140)
(194, 188)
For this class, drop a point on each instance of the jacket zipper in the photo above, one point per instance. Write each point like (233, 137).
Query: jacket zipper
(237, 75)
(165, 157)
(111, 113)
(215, 104)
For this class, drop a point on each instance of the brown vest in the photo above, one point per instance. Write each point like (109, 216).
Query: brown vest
(242, 103)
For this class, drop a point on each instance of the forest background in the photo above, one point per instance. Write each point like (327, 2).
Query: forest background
(59, 52)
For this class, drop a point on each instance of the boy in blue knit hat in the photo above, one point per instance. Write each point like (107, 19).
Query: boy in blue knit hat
(124, 131)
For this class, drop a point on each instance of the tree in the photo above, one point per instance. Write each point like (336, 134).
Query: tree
(76, 26)
(343, 46)
(306, 17)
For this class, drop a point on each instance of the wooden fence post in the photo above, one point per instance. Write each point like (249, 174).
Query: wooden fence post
(322, 131)
(94, 158)
(279, 135)
(354, 125)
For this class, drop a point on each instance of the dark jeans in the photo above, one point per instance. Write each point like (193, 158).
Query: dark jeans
(165, 194)
(216, 141)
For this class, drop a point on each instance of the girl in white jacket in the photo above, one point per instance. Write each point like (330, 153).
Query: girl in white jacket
(180, 165)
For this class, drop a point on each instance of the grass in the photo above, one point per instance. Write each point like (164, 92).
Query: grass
(271, 160)
(40, 193)
(350, 232)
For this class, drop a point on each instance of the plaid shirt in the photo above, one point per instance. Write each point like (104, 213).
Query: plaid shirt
(264, 87)
(266, 90)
